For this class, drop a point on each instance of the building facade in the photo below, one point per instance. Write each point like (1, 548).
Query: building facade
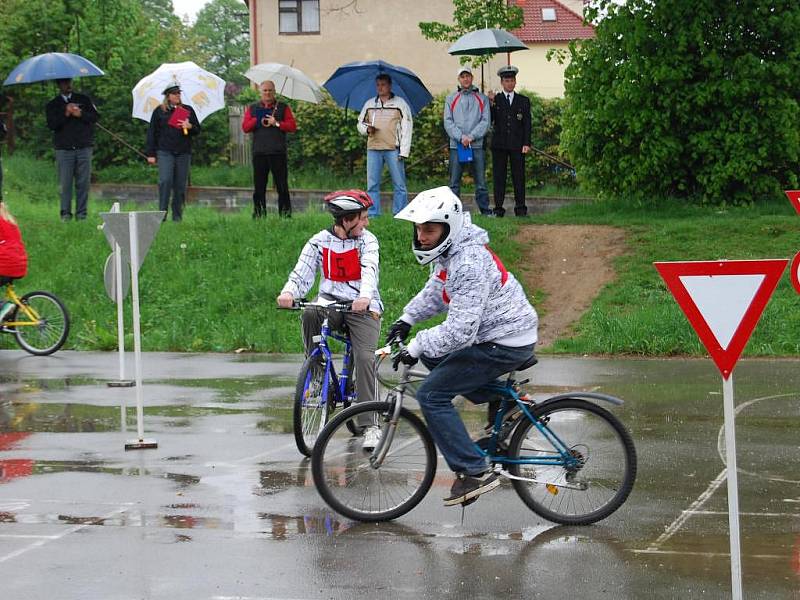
(317, 36)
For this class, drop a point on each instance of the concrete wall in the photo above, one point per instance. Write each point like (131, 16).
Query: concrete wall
(234, 199)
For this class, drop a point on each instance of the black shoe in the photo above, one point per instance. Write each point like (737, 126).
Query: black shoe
(468, 487)
(66, 218)
(521, 212)
(499, 212)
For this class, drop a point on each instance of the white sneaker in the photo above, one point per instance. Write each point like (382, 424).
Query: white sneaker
(372, 435)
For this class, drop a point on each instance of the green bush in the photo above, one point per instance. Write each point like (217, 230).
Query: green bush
(687, 98)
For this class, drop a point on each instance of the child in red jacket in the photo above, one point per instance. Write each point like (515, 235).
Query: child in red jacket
(13, 258)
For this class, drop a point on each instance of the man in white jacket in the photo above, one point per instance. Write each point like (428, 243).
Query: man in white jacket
(387, 122)
(346, 255)
(491, 329)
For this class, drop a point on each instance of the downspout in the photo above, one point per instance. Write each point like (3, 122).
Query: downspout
(254, 29)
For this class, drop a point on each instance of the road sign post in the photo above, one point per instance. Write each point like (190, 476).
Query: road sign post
(133, 233)
(723, 301)
(117, 294)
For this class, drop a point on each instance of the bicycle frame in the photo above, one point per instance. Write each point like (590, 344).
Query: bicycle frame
(510, 394)
(330, 373)
(34, 317)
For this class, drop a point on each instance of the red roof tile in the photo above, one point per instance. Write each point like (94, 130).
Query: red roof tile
(567, 26)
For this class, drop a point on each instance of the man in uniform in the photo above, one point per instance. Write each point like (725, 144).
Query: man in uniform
(511, 140)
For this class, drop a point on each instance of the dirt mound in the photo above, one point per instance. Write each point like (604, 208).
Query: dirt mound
(570, 264)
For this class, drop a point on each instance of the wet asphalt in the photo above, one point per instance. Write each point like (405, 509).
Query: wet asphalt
(225, 509)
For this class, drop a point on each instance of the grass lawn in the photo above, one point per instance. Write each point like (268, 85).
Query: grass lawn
(209, 283)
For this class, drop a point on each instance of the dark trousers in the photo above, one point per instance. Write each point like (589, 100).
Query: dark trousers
(74, 166)
(173, 171)
(262, 165)
(500, 160)
(463, 372)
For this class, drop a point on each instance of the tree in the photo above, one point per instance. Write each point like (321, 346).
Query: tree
(469, 15)
(687, 98)
(223, 33)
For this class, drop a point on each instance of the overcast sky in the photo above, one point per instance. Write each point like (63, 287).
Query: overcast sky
(188, 7)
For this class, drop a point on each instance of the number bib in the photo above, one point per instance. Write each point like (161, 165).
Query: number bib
(341, 266)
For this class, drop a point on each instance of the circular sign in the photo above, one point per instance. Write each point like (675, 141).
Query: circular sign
(795, 272)
(110, 278)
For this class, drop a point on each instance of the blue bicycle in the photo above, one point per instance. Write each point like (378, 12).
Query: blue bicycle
(570, 460)
(320, 389)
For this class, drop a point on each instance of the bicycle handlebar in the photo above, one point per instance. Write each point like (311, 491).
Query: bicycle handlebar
(303, 304)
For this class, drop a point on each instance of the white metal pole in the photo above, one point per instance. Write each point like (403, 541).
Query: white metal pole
(733, 487)
(137, 342)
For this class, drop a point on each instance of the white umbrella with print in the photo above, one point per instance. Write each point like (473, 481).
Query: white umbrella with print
(200, 89)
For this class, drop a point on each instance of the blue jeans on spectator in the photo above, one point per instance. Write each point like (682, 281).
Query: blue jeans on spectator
(173, 171)
(463, 372)
(74, 166)
(478, 173)
(375, 161)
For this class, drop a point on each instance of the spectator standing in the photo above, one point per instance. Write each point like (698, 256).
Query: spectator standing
(387, 122)
(466, 120)
(269, 121)
(169, 144)
(511, 140)
(72, 116)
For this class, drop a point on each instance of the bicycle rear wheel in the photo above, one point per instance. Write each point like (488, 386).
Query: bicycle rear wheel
(347, 480)
(311, 410)
(593, 488)
(50, 332)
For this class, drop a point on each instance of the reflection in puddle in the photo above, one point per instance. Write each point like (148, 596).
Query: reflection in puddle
(282, 527)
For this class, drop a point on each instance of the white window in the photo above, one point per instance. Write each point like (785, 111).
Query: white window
(548, 14)
(298, 16)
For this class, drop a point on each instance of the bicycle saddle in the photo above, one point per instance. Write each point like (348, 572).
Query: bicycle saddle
(528, 363)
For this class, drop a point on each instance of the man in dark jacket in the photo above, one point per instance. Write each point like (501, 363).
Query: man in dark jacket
(269, 121)
(511, 140)
(72, 117)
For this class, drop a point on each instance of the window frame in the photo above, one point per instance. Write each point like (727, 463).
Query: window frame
(297, 10)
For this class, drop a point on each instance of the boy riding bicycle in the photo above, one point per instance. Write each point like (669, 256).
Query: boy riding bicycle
(490, 329)
(347, 255)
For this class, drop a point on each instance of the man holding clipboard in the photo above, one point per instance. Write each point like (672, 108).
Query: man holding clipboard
(172, 127)
(269, 121)
(386, 121)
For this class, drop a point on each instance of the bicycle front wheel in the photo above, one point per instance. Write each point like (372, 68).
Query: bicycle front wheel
(311, 409)
(49, 331)
(595, 484)
(349, 482)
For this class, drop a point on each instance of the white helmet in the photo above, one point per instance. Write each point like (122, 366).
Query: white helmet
(439, 205)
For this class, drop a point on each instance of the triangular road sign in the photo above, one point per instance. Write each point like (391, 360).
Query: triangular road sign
(723, 300)
(794, 198)
(117, 225)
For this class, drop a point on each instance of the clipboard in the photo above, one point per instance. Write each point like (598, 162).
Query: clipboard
(179, 114)
(464, 153)
(262, 113)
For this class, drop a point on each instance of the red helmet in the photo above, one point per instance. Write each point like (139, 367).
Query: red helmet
(347, 202)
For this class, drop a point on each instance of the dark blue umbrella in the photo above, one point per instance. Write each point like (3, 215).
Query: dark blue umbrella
(53, 65)
(353, 84)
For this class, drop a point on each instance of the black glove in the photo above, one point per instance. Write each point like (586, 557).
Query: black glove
(404, 357)
(398, 331)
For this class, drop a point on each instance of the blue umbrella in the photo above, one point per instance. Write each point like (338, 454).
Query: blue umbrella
(353, 84)
(53, 65)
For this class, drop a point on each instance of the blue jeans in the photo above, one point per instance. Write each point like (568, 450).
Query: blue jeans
(375, 161)
(463, 372)
(173, 172)
(74, 165)
(478, 173)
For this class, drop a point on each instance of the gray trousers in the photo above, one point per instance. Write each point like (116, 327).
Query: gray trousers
(365, 329)
(74, 165)
(173, 171)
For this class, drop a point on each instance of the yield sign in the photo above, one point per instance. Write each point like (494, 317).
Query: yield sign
(116, 227)
(723, 301)
(794, 198)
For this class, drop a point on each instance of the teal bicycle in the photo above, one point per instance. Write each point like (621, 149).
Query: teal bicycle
(570, 460)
